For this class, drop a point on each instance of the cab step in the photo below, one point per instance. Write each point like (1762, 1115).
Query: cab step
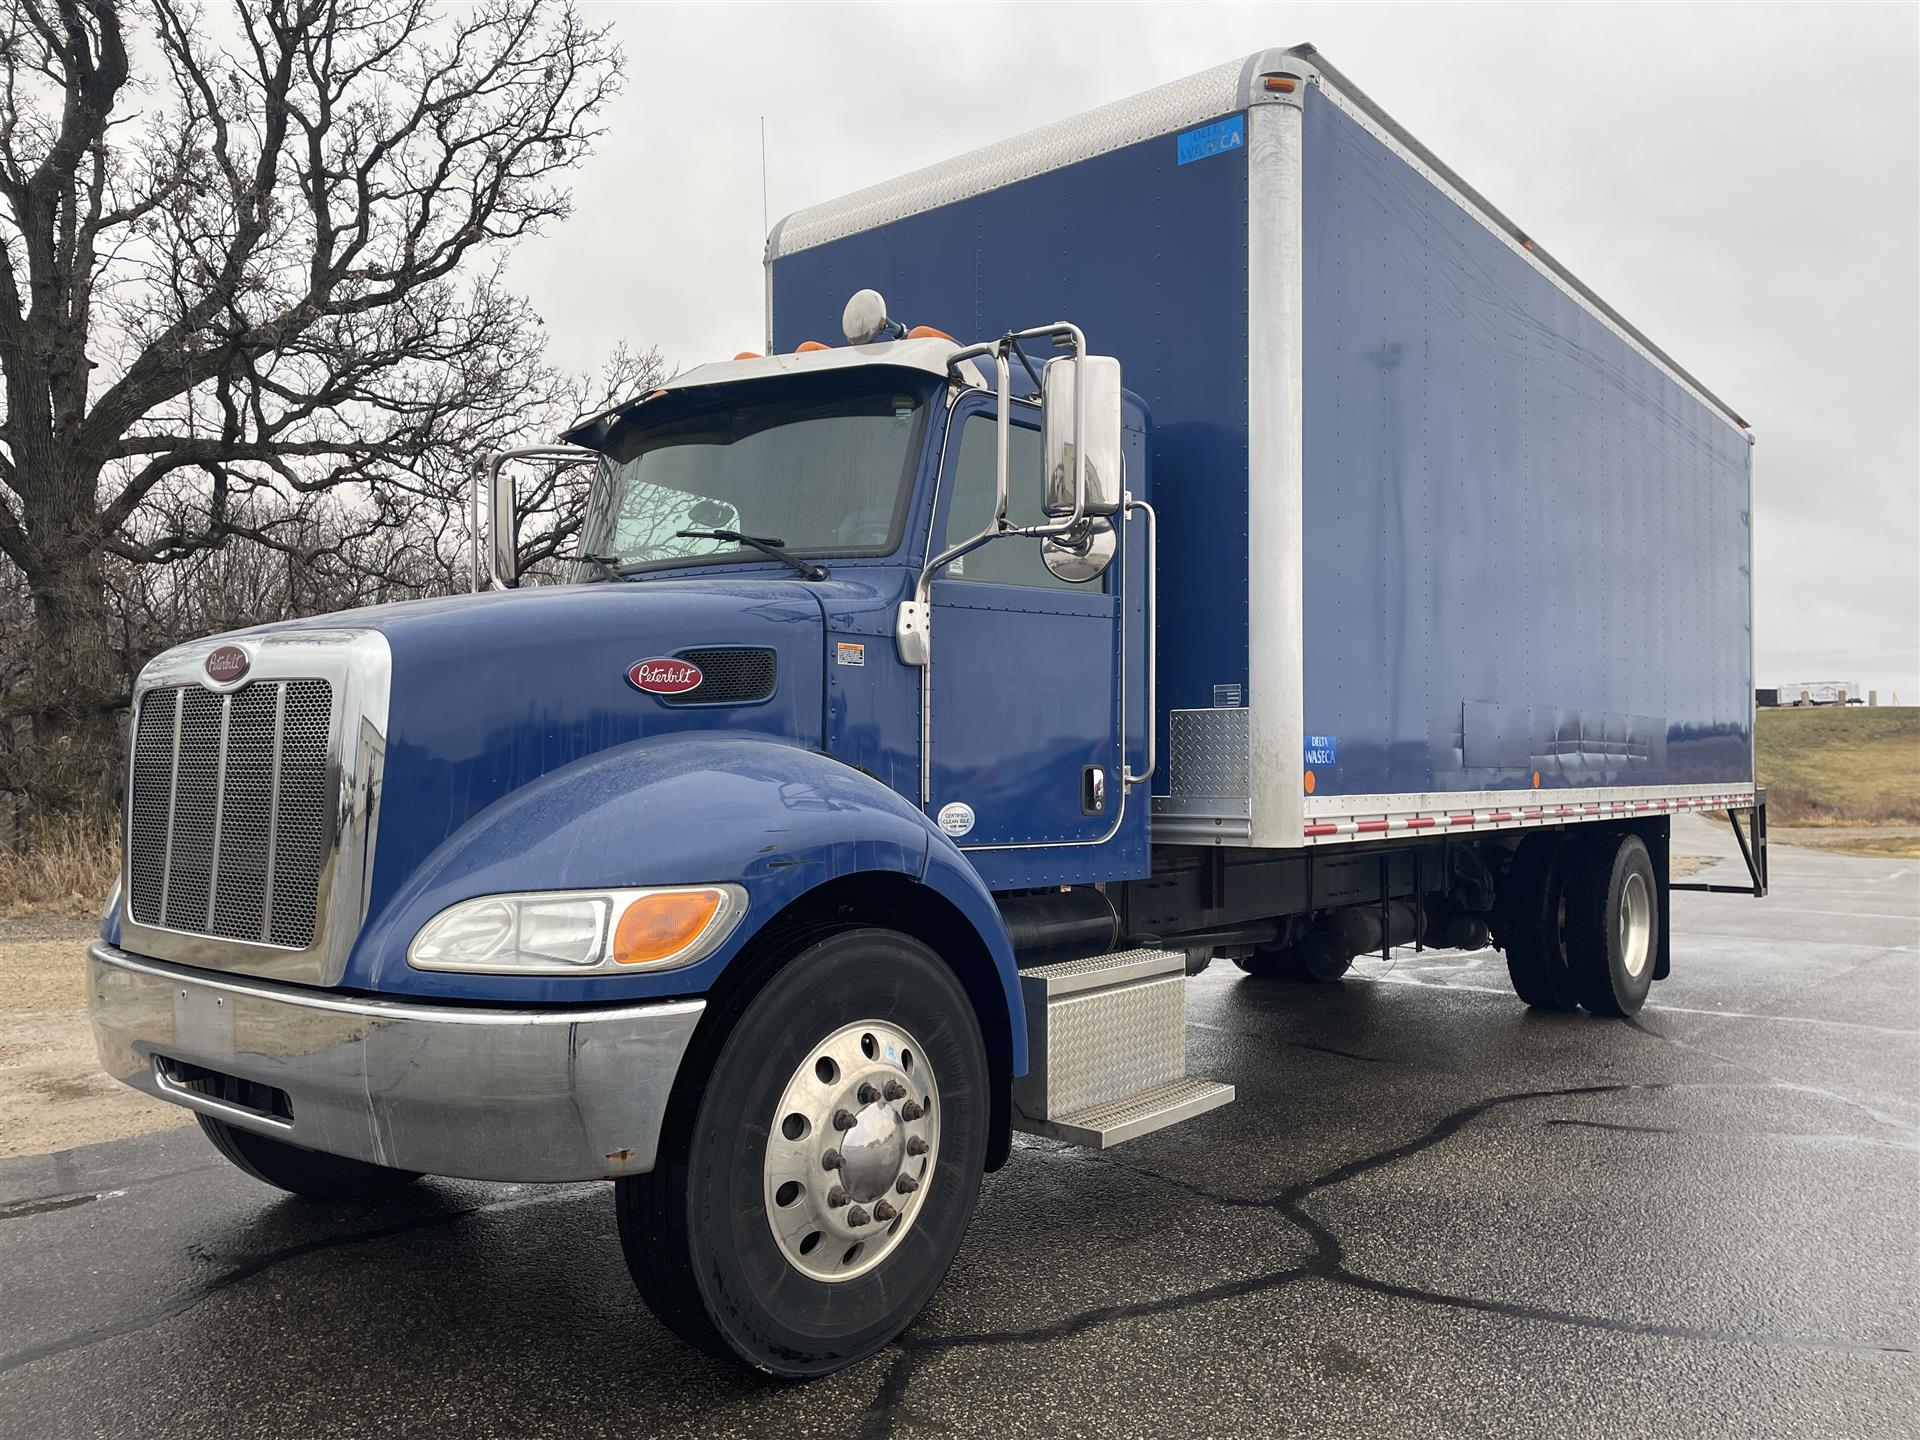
(1107, 1049)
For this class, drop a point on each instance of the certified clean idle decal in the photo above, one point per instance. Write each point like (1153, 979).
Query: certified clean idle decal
(664, 677)
(956, 819)
(226, 664)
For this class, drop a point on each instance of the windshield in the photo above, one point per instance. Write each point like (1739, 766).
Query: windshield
(825, 472)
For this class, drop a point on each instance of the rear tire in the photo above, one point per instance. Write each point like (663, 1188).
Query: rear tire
(1613, 925)
(735, 1238)
(308, 1173)
(1532, 921)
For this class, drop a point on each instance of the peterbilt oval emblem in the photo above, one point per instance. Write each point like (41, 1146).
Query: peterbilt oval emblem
(664, 677)
(227, 663)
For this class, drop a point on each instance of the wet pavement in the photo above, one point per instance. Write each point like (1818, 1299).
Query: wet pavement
(1429, 1212)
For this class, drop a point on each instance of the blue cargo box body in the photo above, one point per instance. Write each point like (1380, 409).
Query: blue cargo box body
(1447, 541)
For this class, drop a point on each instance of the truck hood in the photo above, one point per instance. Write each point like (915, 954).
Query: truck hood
(494, 690)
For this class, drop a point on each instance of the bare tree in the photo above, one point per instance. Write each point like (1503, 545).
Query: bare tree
(265, 266)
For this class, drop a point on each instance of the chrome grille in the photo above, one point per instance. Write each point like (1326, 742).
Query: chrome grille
(230, 811)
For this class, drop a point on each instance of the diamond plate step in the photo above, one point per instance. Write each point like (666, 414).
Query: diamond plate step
(1107, 1049)
(1101, 1126)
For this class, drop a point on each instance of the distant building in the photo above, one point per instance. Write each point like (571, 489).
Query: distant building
(1814, 692)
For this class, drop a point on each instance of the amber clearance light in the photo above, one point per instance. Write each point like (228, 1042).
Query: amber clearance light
(664, 925)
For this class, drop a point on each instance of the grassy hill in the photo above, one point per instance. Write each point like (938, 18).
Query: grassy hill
(1841, 766)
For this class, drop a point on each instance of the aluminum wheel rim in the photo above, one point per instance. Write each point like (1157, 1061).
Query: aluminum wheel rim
(1636, 925)
(851, 1150)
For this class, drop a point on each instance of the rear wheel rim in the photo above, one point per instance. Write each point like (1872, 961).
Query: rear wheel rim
(852, 1150)
(1636, 925)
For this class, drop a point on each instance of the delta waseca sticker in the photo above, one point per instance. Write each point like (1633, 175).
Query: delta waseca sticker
(956, 819)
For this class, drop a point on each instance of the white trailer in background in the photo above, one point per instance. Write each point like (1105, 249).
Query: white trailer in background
(1822, 692)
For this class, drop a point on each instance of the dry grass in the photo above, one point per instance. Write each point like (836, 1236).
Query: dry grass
(1835, 766)
(1882, 843)
(66, 868)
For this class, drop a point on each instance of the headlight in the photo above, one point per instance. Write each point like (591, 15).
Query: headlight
(580, 932)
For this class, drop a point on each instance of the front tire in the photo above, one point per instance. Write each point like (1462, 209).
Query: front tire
(308, 1173)
(799, 1105)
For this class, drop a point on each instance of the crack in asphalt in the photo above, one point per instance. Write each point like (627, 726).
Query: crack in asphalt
(1327, 1263)
(1790, 1136)
(1347, 1054)
(255, 1265)
(64, 1199)
(24, 1208)
(1879, 1117)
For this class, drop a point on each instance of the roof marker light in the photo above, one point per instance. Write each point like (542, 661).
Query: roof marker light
(749, 355)
(1282, 83)
(927, 332)
(805, 345)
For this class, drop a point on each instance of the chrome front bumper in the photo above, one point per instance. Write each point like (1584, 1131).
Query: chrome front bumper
(485, 1094)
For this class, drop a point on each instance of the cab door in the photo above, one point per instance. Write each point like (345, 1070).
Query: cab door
(1024, 737)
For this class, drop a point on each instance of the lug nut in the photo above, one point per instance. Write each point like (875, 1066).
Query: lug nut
(867, 1095)
(883, 1212)
(832, 1160)
(895, 1090)
(845, 1120)
(910, 1111)
(916, 1146)
(857, 1216)
(906, 1184)
(836, 1197)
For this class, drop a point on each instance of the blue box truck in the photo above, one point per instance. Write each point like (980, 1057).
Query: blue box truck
(1207, 530)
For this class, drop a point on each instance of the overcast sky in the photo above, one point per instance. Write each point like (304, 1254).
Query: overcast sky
(1742, 183)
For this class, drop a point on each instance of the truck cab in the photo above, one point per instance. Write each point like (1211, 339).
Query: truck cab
(738, 839)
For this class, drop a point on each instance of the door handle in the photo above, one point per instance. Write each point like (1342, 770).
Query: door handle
(1093, 790)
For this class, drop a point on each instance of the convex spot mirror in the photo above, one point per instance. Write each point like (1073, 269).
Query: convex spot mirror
(1083, 556)
(1099, 377)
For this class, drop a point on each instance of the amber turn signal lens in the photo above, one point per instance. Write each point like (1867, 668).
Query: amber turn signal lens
(1309, 782)
(658, 927)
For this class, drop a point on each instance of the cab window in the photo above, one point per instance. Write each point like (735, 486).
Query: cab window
(1014, 561)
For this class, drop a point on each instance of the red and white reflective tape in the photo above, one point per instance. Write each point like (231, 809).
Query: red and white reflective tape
(1529, 815)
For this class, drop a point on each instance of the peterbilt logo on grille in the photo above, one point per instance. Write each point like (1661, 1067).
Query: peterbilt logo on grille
(664, 677)
(227, 663)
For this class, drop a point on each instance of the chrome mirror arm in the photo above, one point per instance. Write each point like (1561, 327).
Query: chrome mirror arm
(490, 466)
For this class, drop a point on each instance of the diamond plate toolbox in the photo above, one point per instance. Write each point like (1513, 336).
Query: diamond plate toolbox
(1101, 1030)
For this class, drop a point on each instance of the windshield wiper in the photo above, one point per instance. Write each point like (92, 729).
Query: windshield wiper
(606, 565)
(765, 544)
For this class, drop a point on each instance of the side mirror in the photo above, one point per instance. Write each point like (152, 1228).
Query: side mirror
(1098, 377)
(504, 562)
(1084, 556)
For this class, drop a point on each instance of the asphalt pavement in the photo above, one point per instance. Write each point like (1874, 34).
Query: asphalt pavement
(1428, 1213)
